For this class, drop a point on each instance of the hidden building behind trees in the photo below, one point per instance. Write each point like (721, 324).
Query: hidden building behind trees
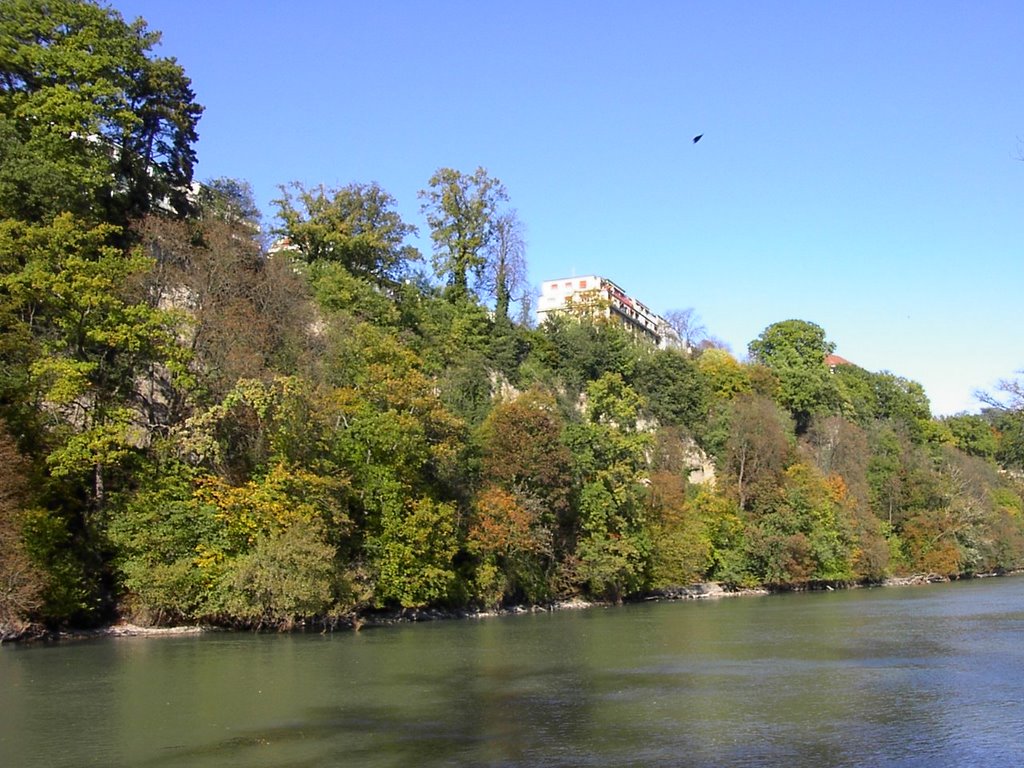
(598, 298)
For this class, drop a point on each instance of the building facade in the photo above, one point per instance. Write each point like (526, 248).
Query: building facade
(598, 297)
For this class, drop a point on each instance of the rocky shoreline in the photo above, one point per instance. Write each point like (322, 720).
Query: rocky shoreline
(702, 591)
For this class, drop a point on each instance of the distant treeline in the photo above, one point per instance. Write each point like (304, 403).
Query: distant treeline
(197, 426)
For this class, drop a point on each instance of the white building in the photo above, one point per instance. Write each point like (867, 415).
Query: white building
(595, 296)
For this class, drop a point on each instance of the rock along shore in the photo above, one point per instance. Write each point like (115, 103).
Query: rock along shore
(702, 591)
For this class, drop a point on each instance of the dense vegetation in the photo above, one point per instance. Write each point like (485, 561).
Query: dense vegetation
(196, 428)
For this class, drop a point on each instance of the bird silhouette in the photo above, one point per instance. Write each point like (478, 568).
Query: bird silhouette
(698, 137)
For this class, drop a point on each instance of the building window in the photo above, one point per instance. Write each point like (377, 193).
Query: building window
(583, 284)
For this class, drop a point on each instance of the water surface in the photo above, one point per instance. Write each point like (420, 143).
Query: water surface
(914, 676)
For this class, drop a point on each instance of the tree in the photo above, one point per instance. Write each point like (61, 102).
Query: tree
(1006, 412)
(973, 434)
(613, 544)
(413, 553)
(263, 552)
(681, 545)
(461, 210)
(1013, 395)
(522, 451)
(355, 226)
(795, 351)
(807, 534)
(687, 323)
(90, 121)
(840, 447)
(96, 339)
(230, 199)
(508, 534)
(857, 393)
(725, 377)
(504, 275)
(757, 449)
(21, 583)
(248, 313)
(674, 387)
(1010, 424)
(904, 402)
(582, 351)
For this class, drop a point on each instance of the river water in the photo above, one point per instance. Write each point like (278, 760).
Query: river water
(902, 676)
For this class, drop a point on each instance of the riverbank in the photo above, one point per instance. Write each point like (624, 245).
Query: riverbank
(701, 591)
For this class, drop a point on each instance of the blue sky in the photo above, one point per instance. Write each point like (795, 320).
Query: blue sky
(860, 167)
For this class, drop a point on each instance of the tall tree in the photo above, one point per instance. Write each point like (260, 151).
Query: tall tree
(795, 351)
(757, 449)
(504, 276)
(90, 121)
(904, 402)
(613, 544)
(461, 210)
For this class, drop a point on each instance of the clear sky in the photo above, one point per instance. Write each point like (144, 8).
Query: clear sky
(860, 167)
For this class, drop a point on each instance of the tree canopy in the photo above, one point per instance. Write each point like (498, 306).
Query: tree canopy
(795, 351)
(91, 122)
(461, 210)
(355, 226)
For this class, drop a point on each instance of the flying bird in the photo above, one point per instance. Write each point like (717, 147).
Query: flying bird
(698, 137)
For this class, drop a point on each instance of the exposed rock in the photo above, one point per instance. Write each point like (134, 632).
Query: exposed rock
(573, 604)
(702, 591)
(920, 578)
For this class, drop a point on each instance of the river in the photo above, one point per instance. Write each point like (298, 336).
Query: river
(902, 676)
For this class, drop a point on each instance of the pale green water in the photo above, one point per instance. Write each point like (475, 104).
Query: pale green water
(918, 676)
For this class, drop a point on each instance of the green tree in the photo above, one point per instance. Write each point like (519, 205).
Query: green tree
(461, 210)
(1006, 412)
(413, 553)
(857, 393)
(807, 535)
(675, 389)
(973, 434)
(581, 351)
(355, 226)
(727, 533)
(95, 340)
(1010, 435)
(681, 548)
(795, 351)
(613, 546)
(230, 199)
(725, 377)
(90, 121)
(162, 534)
(904, 402)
